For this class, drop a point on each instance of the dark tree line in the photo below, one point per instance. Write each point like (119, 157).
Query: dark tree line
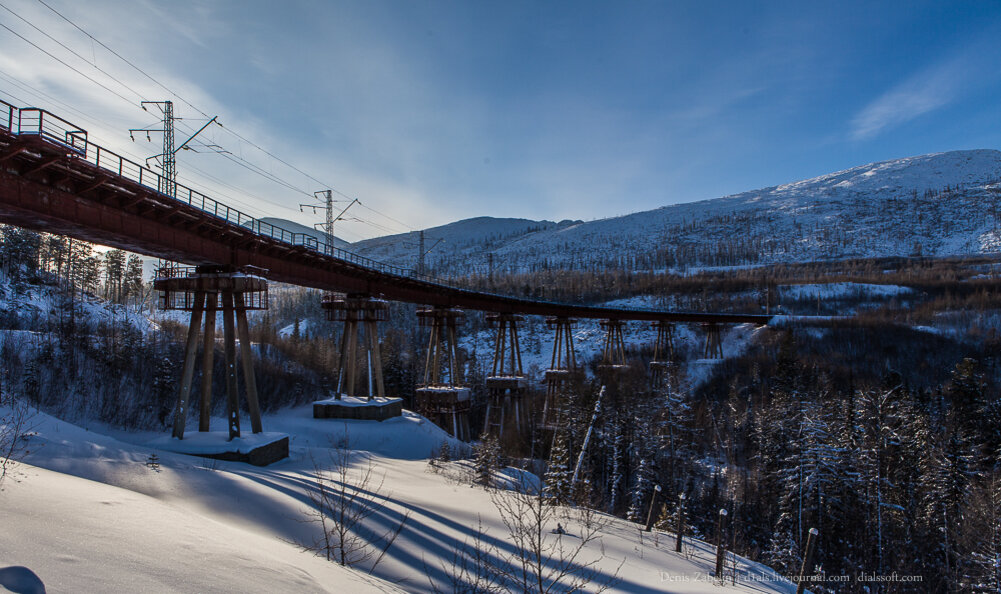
(898, 474)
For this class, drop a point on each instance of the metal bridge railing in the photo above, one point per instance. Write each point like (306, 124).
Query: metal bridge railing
(7, 112)
(33, 121)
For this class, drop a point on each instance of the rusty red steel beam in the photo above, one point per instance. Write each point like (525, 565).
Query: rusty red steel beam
(67, 197)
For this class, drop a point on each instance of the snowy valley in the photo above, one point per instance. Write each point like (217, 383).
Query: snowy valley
(787, 431)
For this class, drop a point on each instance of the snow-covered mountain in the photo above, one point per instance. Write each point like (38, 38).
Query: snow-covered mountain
(467, 236)
(938, 204)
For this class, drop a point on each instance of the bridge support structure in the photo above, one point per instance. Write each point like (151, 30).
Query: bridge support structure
(210, 289)
(358, 310)
(713, 348)
(663, 353)
(442, 397)
(613, 356)
(561, 367)
(506, 384)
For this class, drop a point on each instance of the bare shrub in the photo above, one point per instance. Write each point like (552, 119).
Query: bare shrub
(15, 417)
(547, 556)
(342, 499)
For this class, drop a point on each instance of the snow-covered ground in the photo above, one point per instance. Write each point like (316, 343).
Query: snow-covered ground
(87, 514)
(32, 304)
(842, 290)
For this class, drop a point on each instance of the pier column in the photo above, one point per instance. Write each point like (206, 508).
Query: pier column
(442, 397)
(506, 383)
(198, 290)
(562, 366)
(358, 311)
(663, 353)
(714, 344)
(613, 356)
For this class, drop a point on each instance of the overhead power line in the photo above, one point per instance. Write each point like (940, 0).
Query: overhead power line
(121, 57)
(189, 104)
(70, 66)
(70, 50)
(236, 159)
(397, 221)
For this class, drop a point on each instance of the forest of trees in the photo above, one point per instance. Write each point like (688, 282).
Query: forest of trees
(896, 477)
(114, 366)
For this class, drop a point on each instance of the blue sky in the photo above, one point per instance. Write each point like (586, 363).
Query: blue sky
(433, 111)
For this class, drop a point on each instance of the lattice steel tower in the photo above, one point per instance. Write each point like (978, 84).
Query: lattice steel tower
(169, 161)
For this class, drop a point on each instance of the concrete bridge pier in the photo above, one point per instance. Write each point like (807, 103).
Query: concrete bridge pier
(713, 348)
(356, 311)
(209, 289)
(506, 384)
(562, 366)
(663, 353)
(613, 356)
(442, 398)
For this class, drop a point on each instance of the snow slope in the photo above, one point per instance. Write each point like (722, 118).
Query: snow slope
(79, 535)
(38, 306)
(88, 514)
(454, 236)
(892, 208)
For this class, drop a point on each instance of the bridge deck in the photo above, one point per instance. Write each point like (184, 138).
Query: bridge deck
(53, 179)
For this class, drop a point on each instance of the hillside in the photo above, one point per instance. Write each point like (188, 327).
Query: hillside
(192, 524)
(935, 205)
(166, 522)
(728, 435)
(466, 236)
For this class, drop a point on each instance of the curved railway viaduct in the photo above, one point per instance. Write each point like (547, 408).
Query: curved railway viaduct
(53, 179)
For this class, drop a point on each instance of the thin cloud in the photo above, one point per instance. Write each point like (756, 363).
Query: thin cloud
(925, 92)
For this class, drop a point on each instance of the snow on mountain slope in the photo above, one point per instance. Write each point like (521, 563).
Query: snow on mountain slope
(88, 514)
(459, 236)
(937, 204)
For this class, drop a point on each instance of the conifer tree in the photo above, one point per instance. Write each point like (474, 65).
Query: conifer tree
(617, 453)
(558, 473)
(487, 456)
(946, 475)
(163, 389)
(982, 533)
(444, 452)
(114, 273)
(30, 382)
(642, 487)
(133, 279)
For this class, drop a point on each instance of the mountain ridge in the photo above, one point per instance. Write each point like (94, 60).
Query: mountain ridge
(937, 204)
